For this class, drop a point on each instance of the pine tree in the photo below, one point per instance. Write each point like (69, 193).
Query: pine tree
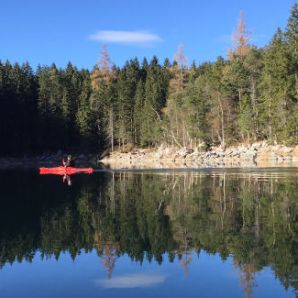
(291, 35)
(127, 84)
(220, 106)
(166, 63)
(84, 120)
(253, 63)
(111, 111)
(274, 90)
(235, 86)
(193, 72)
(245, 118)
(138, 111)
(104, 99)
(29, 110)
(50, 105)
(196, 110)
(175, 114)
(155, 97)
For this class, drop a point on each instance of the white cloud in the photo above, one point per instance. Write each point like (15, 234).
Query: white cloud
(131, 281)
(125, 37)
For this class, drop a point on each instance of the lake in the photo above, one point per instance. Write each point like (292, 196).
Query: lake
(209, 233)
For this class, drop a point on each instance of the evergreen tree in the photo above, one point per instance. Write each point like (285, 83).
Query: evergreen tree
(291, 35)
(155, 98)
(84, 120)
(126, 86)
(253, 64)
(251, 96)
(138, 111)
(219, 114)
(197, 108)
(275, 89)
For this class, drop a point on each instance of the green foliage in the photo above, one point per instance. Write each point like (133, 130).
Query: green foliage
(252, 96)
(274, 87)
(154, 101)
(138, 111)
(18, 97)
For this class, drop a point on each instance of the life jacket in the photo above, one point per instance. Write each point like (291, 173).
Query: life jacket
(66, 162)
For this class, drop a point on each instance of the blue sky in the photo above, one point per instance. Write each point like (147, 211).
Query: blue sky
(63, 30)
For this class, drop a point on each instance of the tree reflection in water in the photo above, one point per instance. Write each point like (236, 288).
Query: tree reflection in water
(249, 216)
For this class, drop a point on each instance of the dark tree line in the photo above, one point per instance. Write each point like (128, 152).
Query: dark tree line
(43, 111)
(252, 95)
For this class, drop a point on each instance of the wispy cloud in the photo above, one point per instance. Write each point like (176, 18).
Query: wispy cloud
(125, 37)
(131, 281)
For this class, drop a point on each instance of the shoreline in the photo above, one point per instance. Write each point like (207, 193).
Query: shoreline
(256, 155)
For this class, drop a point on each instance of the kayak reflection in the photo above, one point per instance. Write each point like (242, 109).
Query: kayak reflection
(66, 179)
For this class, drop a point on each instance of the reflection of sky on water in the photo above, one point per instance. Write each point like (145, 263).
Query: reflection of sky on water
(207, 276)
(131, 281)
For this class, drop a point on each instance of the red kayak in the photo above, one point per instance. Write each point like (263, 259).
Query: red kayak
(64, 171)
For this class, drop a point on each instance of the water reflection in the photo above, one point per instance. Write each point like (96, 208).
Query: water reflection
(132, 281)
(66, 179)
(249, 216)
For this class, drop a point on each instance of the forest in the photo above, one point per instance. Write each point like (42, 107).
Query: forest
(250, 95)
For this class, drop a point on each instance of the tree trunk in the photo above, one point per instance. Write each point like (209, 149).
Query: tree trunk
(254, 107)
(222, 122)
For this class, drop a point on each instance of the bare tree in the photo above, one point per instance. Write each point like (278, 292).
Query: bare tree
(180, 57)
(103, 72)
(104, 62)
(240, 39)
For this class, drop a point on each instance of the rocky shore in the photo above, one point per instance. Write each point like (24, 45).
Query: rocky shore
(254, 155)
(258, 154)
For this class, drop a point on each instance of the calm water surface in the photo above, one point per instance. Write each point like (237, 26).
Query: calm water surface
(223, 233)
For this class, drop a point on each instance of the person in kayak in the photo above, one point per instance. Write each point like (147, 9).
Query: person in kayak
(67, 162)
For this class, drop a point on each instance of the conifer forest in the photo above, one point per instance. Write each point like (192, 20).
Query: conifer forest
(250, 95)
